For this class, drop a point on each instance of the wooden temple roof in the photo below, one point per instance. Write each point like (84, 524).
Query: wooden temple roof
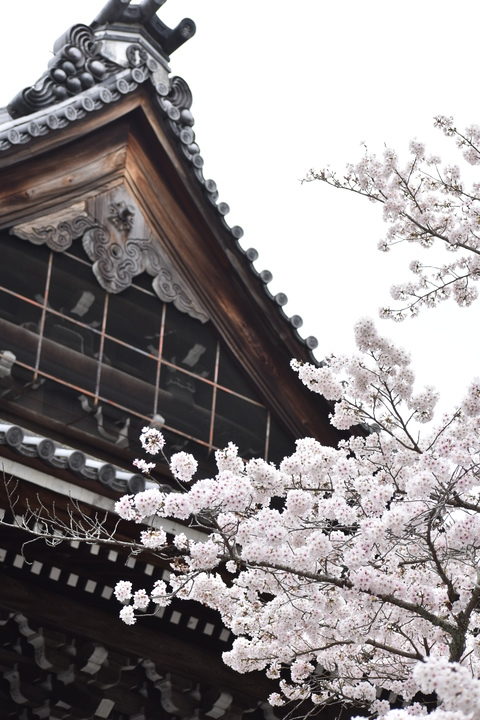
(126, 48)
(64, 653)
(67, 461)
(102, 150)
(106, 119)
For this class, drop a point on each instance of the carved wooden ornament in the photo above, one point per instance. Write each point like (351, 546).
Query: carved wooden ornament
(119, 243)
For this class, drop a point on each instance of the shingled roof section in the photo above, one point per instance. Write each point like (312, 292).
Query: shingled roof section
(61, 457)
(125, 47)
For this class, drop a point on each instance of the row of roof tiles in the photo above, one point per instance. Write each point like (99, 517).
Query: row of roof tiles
(61, 457)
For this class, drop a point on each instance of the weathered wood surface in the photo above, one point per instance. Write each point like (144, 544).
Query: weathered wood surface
(169, 653)
(137, 149)
(49, 670)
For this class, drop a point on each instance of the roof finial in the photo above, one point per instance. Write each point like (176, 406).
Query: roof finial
(145, 13)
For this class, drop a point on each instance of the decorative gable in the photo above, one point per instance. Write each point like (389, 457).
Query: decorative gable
(119, 242)
(125, 300)
(139, 304)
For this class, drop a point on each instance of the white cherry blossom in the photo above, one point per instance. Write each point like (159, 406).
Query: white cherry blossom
(426, 203)
(349, 574)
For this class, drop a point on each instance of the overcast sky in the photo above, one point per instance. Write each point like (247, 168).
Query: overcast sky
(280, 87)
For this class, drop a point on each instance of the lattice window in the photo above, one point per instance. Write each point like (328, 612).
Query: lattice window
(108, 364)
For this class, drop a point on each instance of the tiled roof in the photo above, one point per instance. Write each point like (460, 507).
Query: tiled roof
(94, 66)
(54, 455)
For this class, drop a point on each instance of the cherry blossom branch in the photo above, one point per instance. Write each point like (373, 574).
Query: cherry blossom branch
(347, 584)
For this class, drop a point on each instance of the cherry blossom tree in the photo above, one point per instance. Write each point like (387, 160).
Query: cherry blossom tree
(427, 203)
(350, 574)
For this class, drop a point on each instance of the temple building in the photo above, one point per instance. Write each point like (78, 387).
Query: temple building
(126, 300)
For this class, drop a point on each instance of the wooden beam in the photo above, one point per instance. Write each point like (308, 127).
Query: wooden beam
(137, 148)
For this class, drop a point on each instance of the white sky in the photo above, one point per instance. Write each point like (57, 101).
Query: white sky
(280, 87)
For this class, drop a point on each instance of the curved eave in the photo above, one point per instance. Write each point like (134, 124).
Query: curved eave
(160, 116)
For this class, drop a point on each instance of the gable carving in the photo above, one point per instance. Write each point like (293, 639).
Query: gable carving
(56, 231)
(119, 244)
(117, 260)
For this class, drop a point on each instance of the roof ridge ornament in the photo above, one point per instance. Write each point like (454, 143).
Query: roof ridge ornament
(145, 14)
(82, 59)
(76, 66)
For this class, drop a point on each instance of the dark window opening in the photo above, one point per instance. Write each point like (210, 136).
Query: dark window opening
(109, 364)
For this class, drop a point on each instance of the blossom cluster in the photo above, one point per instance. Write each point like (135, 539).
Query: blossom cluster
(426, 203)
(143, 465)
(152, 440)
(351, 573)
(183, 466)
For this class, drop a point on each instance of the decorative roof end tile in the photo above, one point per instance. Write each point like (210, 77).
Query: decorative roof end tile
(64, 458)
(82, 61)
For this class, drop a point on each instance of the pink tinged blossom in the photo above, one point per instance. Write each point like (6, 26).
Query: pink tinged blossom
(273, 671)
(229, 460)
(125, 508)
(143, 466)
(319, 379)
(159, 594)
(123, 591)
(380, 707)
(152, 440)
(203, 555)
(153, 539)
(234, 491)
(345, 416)
(424, 404)
(471, 404)
(148, 502)
(464, 293)
(183, 466)
(140, 600)
(180, 541)
(203, 494)
(319, 544)
(416, 266)
(300, 670)
(177, 505)
(299, 502)
(452, 682)
(265, 480)
(418, 149)
(127, 615)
